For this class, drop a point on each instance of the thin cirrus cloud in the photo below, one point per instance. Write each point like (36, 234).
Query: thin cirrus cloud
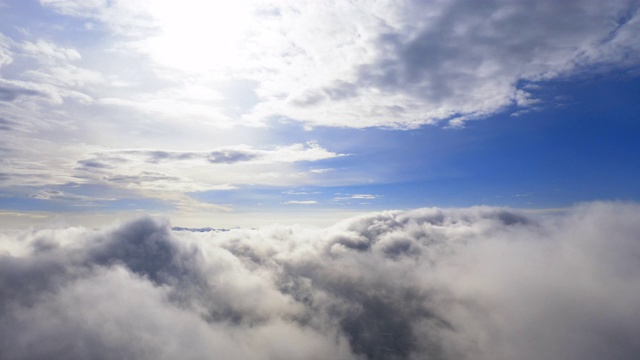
(301, 202)
(356, 197)
(216, 169)
(473, 283)
(219, 168)
(51, 194)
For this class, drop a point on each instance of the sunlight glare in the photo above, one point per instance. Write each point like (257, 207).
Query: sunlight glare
(198, 38)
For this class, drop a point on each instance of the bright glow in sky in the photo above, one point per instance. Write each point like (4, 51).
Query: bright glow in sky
(214, 31)
(247, 112)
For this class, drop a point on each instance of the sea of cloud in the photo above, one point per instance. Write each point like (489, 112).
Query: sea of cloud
(473, 283)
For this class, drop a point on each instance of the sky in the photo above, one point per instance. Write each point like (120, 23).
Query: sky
(246, 113)
(352, 180)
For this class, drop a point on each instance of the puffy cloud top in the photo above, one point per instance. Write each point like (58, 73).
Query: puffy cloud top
(476, 283)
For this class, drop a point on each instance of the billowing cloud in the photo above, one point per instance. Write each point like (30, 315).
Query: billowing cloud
(363, 63)
(476, 283)
(424, 62)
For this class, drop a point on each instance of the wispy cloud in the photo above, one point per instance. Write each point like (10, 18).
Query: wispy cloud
(310, 151)
(6, 57)
(356, 197)
(52, 194)
(187, 170)
(301, 202)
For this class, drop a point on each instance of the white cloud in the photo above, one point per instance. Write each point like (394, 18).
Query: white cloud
(424, 62)
(53, 194)
(200, 170)
(301, 202)
(477, 283)
(346, 64)
(164, 177)
(6, 57)
(357, 197)
(45, 50)
(124, 18)
(321, 171)
(157, 174)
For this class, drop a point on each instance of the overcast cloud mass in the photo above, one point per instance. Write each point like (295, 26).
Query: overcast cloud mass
(474, 283)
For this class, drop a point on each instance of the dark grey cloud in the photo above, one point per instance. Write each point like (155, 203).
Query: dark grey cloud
(230, 156)
(471, 44)
(13, 93)
(93, 164)
(339, 90)
(6, 125)
(157, 156)
(225, 156)
(144, 176)
(477, 283)
(112, 159)
(101, 162)
(463, 59)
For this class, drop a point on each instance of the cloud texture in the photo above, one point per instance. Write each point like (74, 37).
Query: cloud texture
(162, 99)
(346, 64)
(476, 283)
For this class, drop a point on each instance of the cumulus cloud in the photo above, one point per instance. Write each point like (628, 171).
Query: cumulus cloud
(456, 60)
(476, 283)
(363, 63)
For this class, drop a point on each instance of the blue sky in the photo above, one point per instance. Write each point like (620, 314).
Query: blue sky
(293, 111)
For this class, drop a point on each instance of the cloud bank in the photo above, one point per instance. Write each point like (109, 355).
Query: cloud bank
(475, 283)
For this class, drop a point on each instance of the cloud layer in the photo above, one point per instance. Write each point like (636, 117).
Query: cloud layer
(356, 64)
(476, 283)
(219, 168)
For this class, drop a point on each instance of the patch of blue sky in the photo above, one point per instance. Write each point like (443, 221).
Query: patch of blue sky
(77, 198)
(43, 21)
(581, 144)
